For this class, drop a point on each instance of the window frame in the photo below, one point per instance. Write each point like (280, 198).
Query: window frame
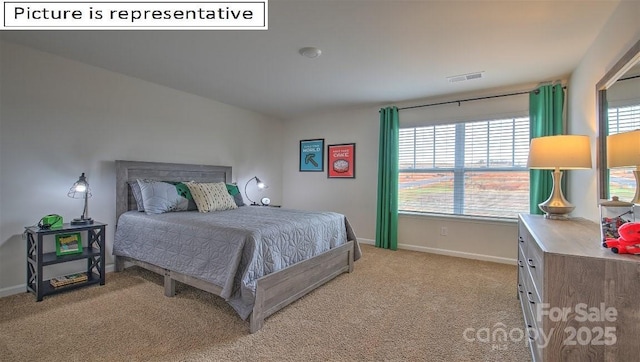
(459, 169)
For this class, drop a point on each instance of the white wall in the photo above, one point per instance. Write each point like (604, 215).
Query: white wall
(59, 118)
(356, 198)
(620, 32)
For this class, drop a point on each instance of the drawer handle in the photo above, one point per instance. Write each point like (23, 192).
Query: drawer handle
(529, 295)
(520, 239)
(531, 332)
(520, 288)
(530, 262)
(520, 263)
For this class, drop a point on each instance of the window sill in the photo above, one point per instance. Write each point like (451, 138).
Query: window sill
(458, 217)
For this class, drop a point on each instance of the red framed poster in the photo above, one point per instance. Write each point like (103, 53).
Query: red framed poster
(341, 161)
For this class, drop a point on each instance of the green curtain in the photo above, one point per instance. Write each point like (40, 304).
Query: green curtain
(387, 208)
(546, 108)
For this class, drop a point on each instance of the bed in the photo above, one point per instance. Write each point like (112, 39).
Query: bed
(259, 259)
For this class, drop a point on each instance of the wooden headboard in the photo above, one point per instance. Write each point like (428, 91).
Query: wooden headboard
(127, 171)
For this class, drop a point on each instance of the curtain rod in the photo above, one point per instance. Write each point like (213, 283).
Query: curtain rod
(467, 100)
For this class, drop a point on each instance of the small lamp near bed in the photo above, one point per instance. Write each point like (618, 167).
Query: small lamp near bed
(80, 190)
(260, 185)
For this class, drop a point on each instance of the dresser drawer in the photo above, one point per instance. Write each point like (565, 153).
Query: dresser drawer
(531, 257)
(534, 259)
(524, 300)
(528, 311)
(523, 237)
(522, 262)
(531, 297)
(526, 288)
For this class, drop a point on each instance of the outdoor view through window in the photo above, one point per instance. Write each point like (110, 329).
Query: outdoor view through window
(622, 182)
(473, 168)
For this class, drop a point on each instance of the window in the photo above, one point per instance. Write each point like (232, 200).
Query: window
(621, 180)
(473, 168)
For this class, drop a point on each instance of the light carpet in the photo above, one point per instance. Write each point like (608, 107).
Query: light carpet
(395, 306)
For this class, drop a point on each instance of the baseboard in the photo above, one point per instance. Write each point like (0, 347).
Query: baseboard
(22, 288)
(366, 241)
(458, 254)
(17, 289)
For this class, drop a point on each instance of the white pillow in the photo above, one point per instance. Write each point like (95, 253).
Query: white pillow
(211, 196)
(159, 197)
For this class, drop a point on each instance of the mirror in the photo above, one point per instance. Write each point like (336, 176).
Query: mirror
(620, 85)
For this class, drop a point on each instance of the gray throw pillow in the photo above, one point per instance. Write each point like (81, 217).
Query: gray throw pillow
(137, 194)
(159, 197)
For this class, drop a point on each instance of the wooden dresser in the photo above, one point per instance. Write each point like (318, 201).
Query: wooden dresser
(580, 301)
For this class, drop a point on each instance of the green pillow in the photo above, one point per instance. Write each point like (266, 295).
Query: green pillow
(235, 192)
(184, 191)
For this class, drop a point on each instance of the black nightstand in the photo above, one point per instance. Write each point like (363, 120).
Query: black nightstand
(93, 252)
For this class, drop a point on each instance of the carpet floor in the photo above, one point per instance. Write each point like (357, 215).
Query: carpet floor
(395, 306)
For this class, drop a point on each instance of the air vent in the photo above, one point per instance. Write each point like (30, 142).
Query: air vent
(464, 77)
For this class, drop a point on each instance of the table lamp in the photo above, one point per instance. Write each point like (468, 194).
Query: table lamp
(562, 152)
(623, 150)
(80, 190)
(260, 185)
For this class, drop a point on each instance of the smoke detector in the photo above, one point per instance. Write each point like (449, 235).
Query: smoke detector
(310, 52)
(465, 77)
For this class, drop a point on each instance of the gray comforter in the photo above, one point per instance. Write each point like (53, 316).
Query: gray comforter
(233, 248)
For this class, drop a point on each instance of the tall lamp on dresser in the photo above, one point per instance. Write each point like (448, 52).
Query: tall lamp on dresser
(562, 152)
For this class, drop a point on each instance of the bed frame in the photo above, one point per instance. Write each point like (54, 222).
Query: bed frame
(273, 291)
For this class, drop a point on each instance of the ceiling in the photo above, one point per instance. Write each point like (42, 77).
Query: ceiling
(373, 52)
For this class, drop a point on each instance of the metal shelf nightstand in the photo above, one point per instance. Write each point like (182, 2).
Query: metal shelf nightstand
(93, 252)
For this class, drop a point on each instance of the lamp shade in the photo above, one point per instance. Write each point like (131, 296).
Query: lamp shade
(623, 149)
(260, 184)
(564, 152)
(80, 189)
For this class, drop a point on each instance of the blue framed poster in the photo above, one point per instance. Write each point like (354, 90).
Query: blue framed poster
(311, 155)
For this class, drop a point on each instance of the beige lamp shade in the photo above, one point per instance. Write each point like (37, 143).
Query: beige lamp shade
(564, 152)
(623, 149)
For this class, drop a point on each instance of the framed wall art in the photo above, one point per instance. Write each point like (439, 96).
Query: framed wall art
(341, 161)
(311, 155)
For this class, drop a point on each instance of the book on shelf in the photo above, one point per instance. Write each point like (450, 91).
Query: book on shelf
(68, 279)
